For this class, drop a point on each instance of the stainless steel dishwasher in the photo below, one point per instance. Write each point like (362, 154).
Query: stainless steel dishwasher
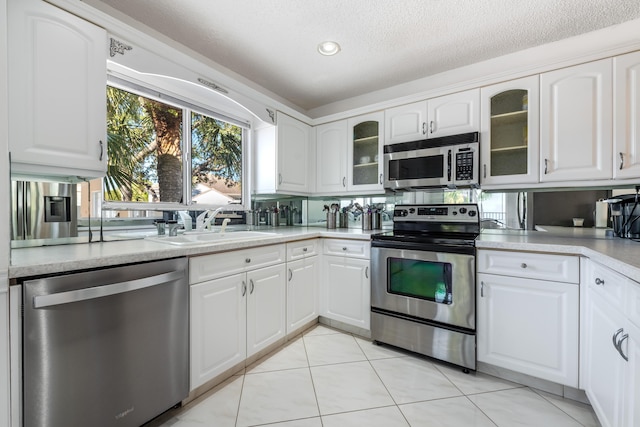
(107, 347)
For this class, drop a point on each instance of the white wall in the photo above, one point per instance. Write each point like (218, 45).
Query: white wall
(4, 223)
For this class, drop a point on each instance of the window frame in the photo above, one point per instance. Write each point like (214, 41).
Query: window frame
(188, 107)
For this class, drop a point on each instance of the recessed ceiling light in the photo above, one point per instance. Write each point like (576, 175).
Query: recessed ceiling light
(328, 48)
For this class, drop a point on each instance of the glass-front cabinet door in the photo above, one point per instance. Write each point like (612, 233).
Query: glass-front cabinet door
(365, 153)
(509, 133)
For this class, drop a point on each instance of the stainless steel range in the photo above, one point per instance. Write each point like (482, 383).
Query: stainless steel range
(423, 282)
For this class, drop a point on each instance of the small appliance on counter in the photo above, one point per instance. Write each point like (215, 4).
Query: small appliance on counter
(625, 215)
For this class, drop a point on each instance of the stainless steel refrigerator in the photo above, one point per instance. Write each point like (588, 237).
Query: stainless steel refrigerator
(43, 210)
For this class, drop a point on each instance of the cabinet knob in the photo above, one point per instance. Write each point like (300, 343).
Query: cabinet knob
(523, 265)
(304, 249)
(344, 248)
(247, 260)
(599, 281)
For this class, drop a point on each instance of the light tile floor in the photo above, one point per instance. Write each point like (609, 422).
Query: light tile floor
(327, 378)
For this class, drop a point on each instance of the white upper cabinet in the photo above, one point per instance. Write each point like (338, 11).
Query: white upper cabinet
(509, 148)
(331, 155)
(576, 123)
(446, 115)
(626, 131)
(405, 123)
(282, 159)
(364, 156)
(454, 114)
(57, 92)
(349, 155)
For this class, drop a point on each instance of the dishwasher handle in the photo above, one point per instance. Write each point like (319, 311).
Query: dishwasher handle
(42, 301)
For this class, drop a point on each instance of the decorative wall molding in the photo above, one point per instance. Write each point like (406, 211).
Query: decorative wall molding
(212, 85)
(272, 114)
(117, 46)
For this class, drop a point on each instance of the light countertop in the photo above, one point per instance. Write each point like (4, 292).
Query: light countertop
(43, 260)
(621, 255)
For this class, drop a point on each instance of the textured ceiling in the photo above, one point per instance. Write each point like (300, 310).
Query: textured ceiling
(384, 42)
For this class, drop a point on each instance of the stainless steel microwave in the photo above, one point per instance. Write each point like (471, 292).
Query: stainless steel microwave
(446, 162)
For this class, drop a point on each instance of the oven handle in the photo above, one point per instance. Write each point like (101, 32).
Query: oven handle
(424, 247)
(42, 301)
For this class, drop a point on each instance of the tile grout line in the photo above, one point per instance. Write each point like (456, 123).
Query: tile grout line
(313, 384)
(240, 399)
(553, 403)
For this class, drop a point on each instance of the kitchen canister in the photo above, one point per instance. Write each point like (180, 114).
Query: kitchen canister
(274, 219)
(376, 221)
(366, 221)
(343, 220)
(331, 220)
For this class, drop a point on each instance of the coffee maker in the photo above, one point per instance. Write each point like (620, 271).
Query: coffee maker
(625, 215)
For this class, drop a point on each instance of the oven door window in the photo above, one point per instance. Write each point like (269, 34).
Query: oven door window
(425, 280)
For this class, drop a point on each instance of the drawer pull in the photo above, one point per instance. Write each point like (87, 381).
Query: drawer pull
(344, 248)
(252, 286)
(523, 265)
(290, 274)
(304, 249)
(599, 281)
(248, 260)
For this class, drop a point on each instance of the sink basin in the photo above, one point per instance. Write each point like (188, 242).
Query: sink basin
(208, 237)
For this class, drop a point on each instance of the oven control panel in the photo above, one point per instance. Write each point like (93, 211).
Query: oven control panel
(467, 212)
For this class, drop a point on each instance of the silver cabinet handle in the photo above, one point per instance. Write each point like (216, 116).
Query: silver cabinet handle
(624, 356)
(621, 160)
(482, 289)
(290, 274)
(523, 265)
(344, 181)
(484, 173)
(431, 123)
(424, 128)
(366, 272)
(252, 286)
(279, 178)
(102, 151)
(344, 248)
(599, 281)
(244, 288)
(380, 179)
(546, 166)
(247, 260)
(59, 298)
(615, 338)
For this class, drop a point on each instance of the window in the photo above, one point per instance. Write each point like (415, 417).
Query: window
(168, 153)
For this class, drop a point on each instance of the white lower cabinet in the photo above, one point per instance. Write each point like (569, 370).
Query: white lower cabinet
(235, 316)
(302, 292)
(218, 327)
(346, 282)
(527, 324)
(611, 347)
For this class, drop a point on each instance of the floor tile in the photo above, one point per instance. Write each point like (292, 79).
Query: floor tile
(333, 348)
(521, 407)
(270, 397)
(389, 416)
(374, 351)
(410, 379)
(581, 412)
(451, 412)
(292, 356)
(321, 330)
(348, 387)
(475, 382)
(307, 422)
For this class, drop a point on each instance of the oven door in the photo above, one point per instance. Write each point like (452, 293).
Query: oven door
(432, 286)
(429, 167)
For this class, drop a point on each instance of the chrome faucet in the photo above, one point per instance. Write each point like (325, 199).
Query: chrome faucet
(205, 218)
(224, 224)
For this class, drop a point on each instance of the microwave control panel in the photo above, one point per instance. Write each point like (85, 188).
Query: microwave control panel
(464, 166)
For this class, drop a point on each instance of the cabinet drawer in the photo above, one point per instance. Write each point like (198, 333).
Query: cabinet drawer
(302, 249)
(606, 283)
(350, 248)
(208, 267)
(558, 268)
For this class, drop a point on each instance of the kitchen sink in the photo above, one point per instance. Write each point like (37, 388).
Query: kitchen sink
(209, 237)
